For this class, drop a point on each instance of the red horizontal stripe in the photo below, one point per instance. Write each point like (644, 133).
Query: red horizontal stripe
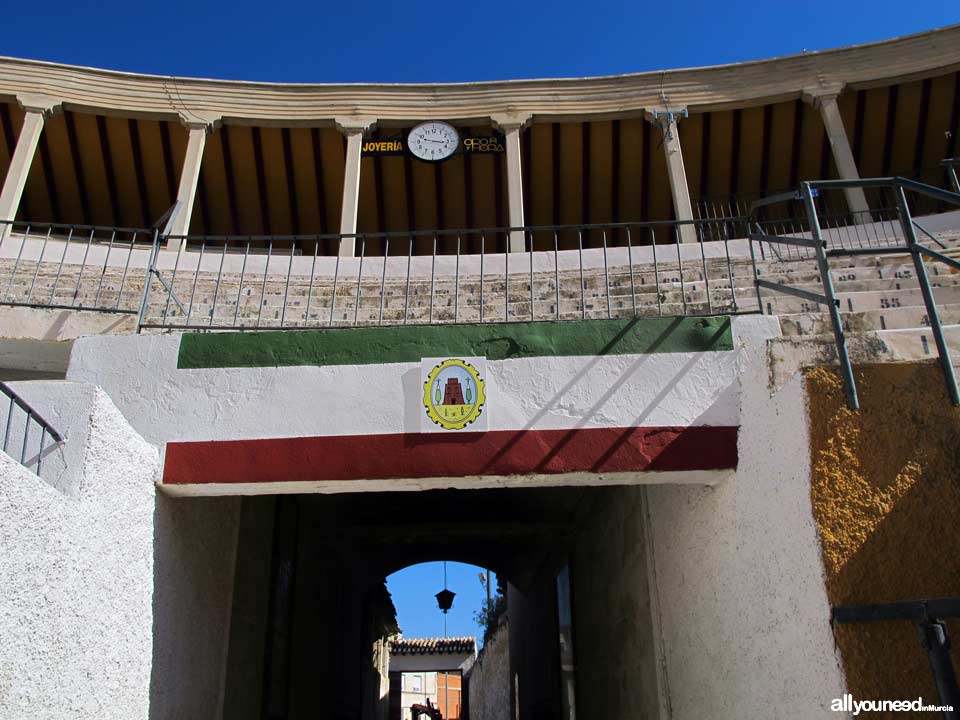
(505, 452)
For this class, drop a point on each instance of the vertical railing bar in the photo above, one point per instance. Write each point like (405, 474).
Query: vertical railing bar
(383, 277)
(706, 274)
(26, 438)
(506, 281)
(733, 284)
(532, 314)
(906, 222)
(243, 270)
(433, 275)
(755, 270)
(633, 287)
(196, 278)
(36, 274)
(286, 288)
(6, 434)
(103, 272)
(356, 308)
(83, 266)
(656, 270)
(173, 280)
(483, 242)
(824, 266)
(126, 268)
(333, 295)
(263, 286)
(606, 274)
(556, 269)
(583, 297)
(683, 288)
(148, 280)
(216, 288)
(43, 437)
(63, 258)
(313, 267)
(23, 244)
(406, 295)
(456, 285)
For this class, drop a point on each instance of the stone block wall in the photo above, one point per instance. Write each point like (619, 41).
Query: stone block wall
(488, 681)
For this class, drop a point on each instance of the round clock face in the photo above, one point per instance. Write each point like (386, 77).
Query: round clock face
(433, 140)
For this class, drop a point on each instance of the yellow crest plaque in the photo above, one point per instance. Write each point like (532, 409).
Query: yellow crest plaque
(453, 394)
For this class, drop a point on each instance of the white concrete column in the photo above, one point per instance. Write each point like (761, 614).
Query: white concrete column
(826, 103)
(512, 127)
(189, 180)
(36, 108)
(353, 129)
(677, 174)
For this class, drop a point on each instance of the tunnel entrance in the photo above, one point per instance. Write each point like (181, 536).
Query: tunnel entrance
(312, 622)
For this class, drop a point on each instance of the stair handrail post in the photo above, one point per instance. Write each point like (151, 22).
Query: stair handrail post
(910, 235)
(850, 385)
(148, 279)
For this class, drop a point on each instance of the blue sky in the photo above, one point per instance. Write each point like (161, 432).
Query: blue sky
(413, 589)
(433, 41)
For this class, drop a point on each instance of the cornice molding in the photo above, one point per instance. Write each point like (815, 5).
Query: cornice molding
(699, 89)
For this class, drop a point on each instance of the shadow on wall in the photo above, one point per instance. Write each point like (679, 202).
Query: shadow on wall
(194, 556)
(886, 498)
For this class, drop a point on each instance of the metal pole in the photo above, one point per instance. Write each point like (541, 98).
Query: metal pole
(243, 270)
(906, 222)
(934, 639)
(216, 288)
(263, 286)
(155, 248)
(845, 367)
(356, 308)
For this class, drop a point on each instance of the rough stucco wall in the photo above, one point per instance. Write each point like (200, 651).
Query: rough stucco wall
(739, 583)
(489, 684)
(196, 543)
(886, 498)
(76, 577)
(611, 612)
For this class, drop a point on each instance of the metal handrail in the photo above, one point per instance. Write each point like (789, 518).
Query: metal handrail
(822, 254)
(488, 230)
(31, 416)
(174, 301)
(928, 617)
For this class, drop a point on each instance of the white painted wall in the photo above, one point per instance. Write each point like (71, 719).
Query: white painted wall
(166, 403)
(114, 602)
(740, 597)
(76, 571)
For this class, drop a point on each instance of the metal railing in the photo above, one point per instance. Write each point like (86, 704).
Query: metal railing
(951, 167)
(75, 267)
(928, 616)
(819, 244)
(21, 421)
(446, 276)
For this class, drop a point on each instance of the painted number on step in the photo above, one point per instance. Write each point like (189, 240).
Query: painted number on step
(887, 303)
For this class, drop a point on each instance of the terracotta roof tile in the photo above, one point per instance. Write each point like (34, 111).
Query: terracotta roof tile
(431, 646)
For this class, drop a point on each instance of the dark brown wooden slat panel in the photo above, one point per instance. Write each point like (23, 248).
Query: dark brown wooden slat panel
(77, 164)
(107, 151)
(261, 181)
(142, 195)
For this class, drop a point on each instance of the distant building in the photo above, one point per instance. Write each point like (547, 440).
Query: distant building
(423, 669)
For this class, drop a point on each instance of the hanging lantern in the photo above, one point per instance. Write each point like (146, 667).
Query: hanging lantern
(445, 599)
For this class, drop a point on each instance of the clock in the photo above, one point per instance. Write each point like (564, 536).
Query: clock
(433, 140)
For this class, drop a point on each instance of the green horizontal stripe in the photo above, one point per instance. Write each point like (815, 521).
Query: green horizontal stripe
(500, 341)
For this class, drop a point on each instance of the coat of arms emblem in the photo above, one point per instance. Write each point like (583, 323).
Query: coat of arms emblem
(453, 395)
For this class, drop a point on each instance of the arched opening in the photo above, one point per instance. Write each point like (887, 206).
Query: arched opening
(312, 622)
